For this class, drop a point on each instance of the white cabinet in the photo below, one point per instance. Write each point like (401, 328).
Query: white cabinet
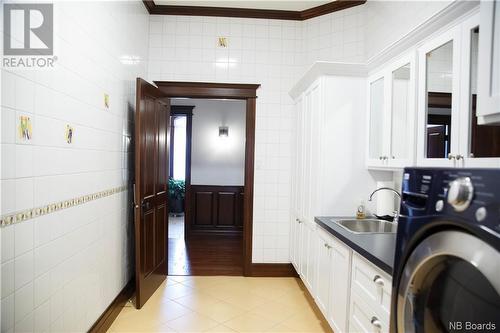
(370, 297)
(332, 292)
(448, 131)
(489, 64)
(391, 115)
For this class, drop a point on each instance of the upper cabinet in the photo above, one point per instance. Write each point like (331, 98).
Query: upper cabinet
(448, 133)
(488, 111)
(391, 105)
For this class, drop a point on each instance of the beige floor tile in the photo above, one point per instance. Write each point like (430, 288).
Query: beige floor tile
(196, 301)
(177, 290)
(306, 323)
(192, 322)
(250, 323)
(220, 329)
(222, 311)
(274, 311)
(152, 315)
(225, 304)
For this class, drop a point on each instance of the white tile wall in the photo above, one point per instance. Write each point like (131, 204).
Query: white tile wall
(338, 36)
(274, 53)
(61, 270)
(259, 51)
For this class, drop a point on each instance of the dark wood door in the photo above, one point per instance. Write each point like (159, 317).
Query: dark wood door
(152, 116)
(436, 141)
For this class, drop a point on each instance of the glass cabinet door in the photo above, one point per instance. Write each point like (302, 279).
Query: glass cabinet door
(483, 140)
(400, 112)
(376, 144)
(439, 94)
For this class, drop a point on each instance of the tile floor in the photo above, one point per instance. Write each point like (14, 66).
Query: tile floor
(224, 304)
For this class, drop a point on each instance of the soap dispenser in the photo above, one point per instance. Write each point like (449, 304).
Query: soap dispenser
(361, 213)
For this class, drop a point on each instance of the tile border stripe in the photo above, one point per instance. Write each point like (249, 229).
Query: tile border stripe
(32, 213)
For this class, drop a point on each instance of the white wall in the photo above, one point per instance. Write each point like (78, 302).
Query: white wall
(259, 51)
(215, 160)
(61, 270)
(275, 53)
(338, 36)
(385, 22)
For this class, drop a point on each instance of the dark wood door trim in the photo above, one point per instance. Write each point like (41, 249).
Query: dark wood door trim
(208, 90)
(293, 15)
(274, 270)
(247, 92)
(248, 191)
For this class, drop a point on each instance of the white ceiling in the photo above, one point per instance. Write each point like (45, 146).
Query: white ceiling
(259, 4)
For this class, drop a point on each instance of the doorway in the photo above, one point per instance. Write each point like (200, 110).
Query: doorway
(152, 164)
(207, 165)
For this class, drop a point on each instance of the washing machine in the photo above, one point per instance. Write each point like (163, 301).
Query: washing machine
(446, 275)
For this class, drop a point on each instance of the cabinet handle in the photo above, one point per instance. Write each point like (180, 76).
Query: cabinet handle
(376, 323)
(378, 280)
(451, 157)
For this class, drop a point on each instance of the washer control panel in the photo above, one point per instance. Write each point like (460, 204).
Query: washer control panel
(470, 195)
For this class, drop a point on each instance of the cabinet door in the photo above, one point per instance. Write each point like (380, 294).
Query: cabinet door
(489, 63)
(479, 144)
(438, 100)
(295, 242)
(340, 286)
(324, 272)
(402, 112)
(377, 122)
(308, 255)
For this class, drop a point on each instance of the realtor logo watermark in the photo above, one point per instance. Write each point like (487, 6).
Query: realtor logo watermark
(28, 40)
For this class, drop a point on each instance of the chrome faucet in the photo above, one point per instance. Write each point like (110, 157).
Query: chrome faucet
(396, 212)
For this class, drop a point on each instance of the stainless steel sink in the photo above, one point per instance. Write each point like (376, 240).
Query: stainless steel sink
(367, 226)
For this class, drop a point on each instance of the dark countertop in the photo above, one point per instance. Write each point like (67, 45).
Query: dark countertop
(377, 248)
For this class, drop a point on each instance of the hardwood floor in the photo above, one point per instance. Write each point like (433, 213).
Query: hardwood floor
(205, 254)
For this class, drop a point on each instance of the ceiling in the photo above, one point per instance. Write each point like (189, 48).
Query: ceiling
(259, 4)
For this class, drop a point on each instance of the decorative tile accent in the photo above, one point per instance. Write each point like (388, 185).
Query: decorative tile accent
(28, 214)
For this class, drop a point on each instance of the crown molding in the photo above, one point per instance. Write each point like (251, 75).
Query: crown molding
(330, 7)
(437, 23)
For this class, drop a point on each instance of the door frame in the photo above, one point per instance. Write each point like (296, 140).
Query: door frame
(247, 92)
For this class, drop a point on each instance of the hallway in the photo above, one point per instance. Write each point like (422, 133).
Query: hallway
(204, 254)
(224, 304)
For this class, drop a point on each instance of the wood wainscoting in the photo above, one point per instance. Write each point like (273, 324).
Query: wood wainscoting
(215, 210)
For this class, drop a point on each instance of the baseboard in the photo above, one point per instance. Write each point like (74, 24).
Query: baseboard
(109, 315)
(273, 270)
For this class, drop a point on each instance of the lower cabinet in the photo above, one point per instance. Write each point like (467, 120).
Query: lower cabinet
(332, 293)
(352, 294)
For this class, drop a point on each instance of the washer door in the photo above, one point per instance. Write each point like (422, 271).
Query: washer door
(450, 283)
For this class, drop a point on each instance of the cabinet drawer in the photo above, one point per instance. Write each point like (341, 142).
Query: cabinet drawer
(363, 318)
(371, 284)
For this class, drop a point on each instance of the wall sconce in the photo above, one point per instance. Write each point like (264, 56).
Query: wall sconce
(223, 131)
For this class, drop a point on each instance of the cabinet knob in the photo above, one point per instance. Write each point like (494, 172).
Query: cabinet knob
(379, 281)
(376, 323)
(451, 157)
